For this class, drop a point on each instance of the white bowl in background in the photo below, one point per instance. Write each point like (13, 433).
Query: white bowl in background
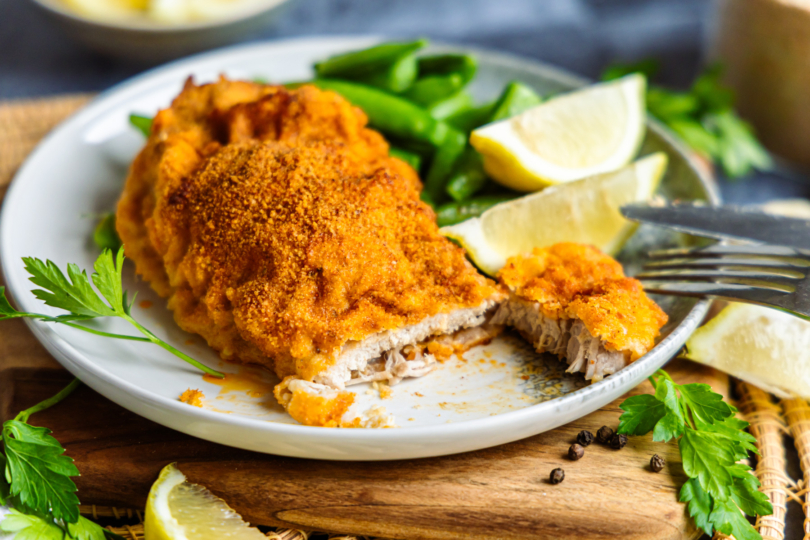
(145, 40)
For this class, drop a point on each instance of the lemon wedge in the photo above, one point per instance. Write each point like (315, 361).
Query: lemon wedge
(586, 132)
(762, 346)
(586, 211)
(179, 510)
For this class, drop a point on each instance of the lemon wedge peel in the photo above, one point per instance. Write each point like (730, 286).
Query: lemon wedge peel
(585, 211)
(762, 346)
(596, 129)
(161, 524)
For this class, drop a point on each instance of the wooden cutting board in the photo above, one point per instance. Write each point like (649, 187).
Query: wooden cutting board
(496, 493)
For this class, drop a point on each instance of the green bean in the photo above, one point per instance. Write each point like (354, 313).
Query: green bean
(454, 104)
(468, 175)
(391, 114)
(141, 123)
(443, 162)
(445, 64)
(411, 158)
(468, 119)
(396, 78)
(367, 61)
(456, 212)
(515, 99)
(105, 236)
(429, 90)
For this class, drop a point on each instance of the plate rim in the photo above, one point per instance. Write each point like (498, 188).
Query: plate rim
(65, 353)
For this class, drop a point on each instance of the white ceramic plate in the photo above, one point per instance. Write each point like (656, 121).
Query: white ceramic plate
(496, 394)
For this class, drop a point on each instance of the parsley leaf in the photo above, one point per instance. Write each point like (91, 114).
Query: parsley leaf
(699, 504)
(706, 405)
(706, 458)
(84, 529)
(745, 492)
(5, 487)
(712, 441)
(641, 413)
(30, 527)
(39, 471)
(738, 149)
(728, 519)
(108, 279)
(75, 294)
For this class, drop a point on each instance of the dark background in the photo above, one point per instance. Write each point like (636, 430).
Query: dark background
(582, 36)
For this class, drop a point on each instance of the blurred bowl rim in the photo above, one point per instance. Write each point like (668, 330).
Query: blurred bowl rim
(145, 25)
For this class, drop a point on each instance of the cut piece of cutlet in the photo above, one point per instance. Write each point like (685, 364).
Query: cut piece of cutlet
(574, 301)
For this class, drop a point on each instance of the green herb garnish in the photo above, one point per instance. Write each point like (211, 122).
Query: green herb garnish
(76, 295)
(712, 441)
(36, 482)
(704, 118)
(104, 235)
(141, 123)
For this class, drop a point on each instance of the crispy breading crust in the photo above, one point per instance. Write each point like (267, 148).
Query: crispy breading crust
(576, 281)
(280, 229)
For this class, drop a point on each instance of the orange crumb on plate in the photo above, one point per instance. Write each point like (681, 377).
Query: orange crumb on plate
(192, 397)
(145, 304)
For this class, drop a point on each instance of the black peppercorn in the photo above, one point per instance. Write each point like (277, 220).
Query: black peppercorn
(656, 463)
(584, 438)
(556, 476)
(575, 452)
(618, 441)
(604, 435)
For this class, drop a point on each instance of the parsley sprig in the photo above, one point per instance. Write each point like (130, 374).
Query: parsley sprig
(36, 482)
(704, 117)
(712, 441)
(75, 294)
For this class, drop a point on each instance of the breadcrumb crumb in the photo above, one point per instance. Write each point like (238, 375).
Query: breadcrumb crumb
(193, 397)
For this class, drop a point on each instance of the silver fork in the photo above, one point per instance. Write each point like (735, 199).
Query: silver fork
(773, 276)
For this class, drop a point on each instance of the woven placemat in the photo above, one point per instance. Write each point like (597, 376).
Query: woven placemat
(23, 123)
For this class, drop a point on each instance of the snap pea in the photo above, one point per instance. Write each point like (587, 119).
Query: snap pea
(443, 162)
(396, 78)
(456, 212)
(468, 119)
(364, 62)
(411, 158)
(468, 175)
(515, 99)
(141, 123)
(456, 103)
(429, 90)
(444, 64)
(391, 114)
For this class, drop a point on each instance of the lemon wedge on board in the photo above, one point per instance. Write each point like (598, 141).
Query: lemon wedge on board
(179, 510)
(763, 346)
(579, 134)
(586, 211)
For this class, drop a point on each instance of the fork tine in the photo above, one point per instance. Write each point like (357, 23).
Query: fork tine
(730, 291)
(717, 250)
(767, 279)
(702, 262)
